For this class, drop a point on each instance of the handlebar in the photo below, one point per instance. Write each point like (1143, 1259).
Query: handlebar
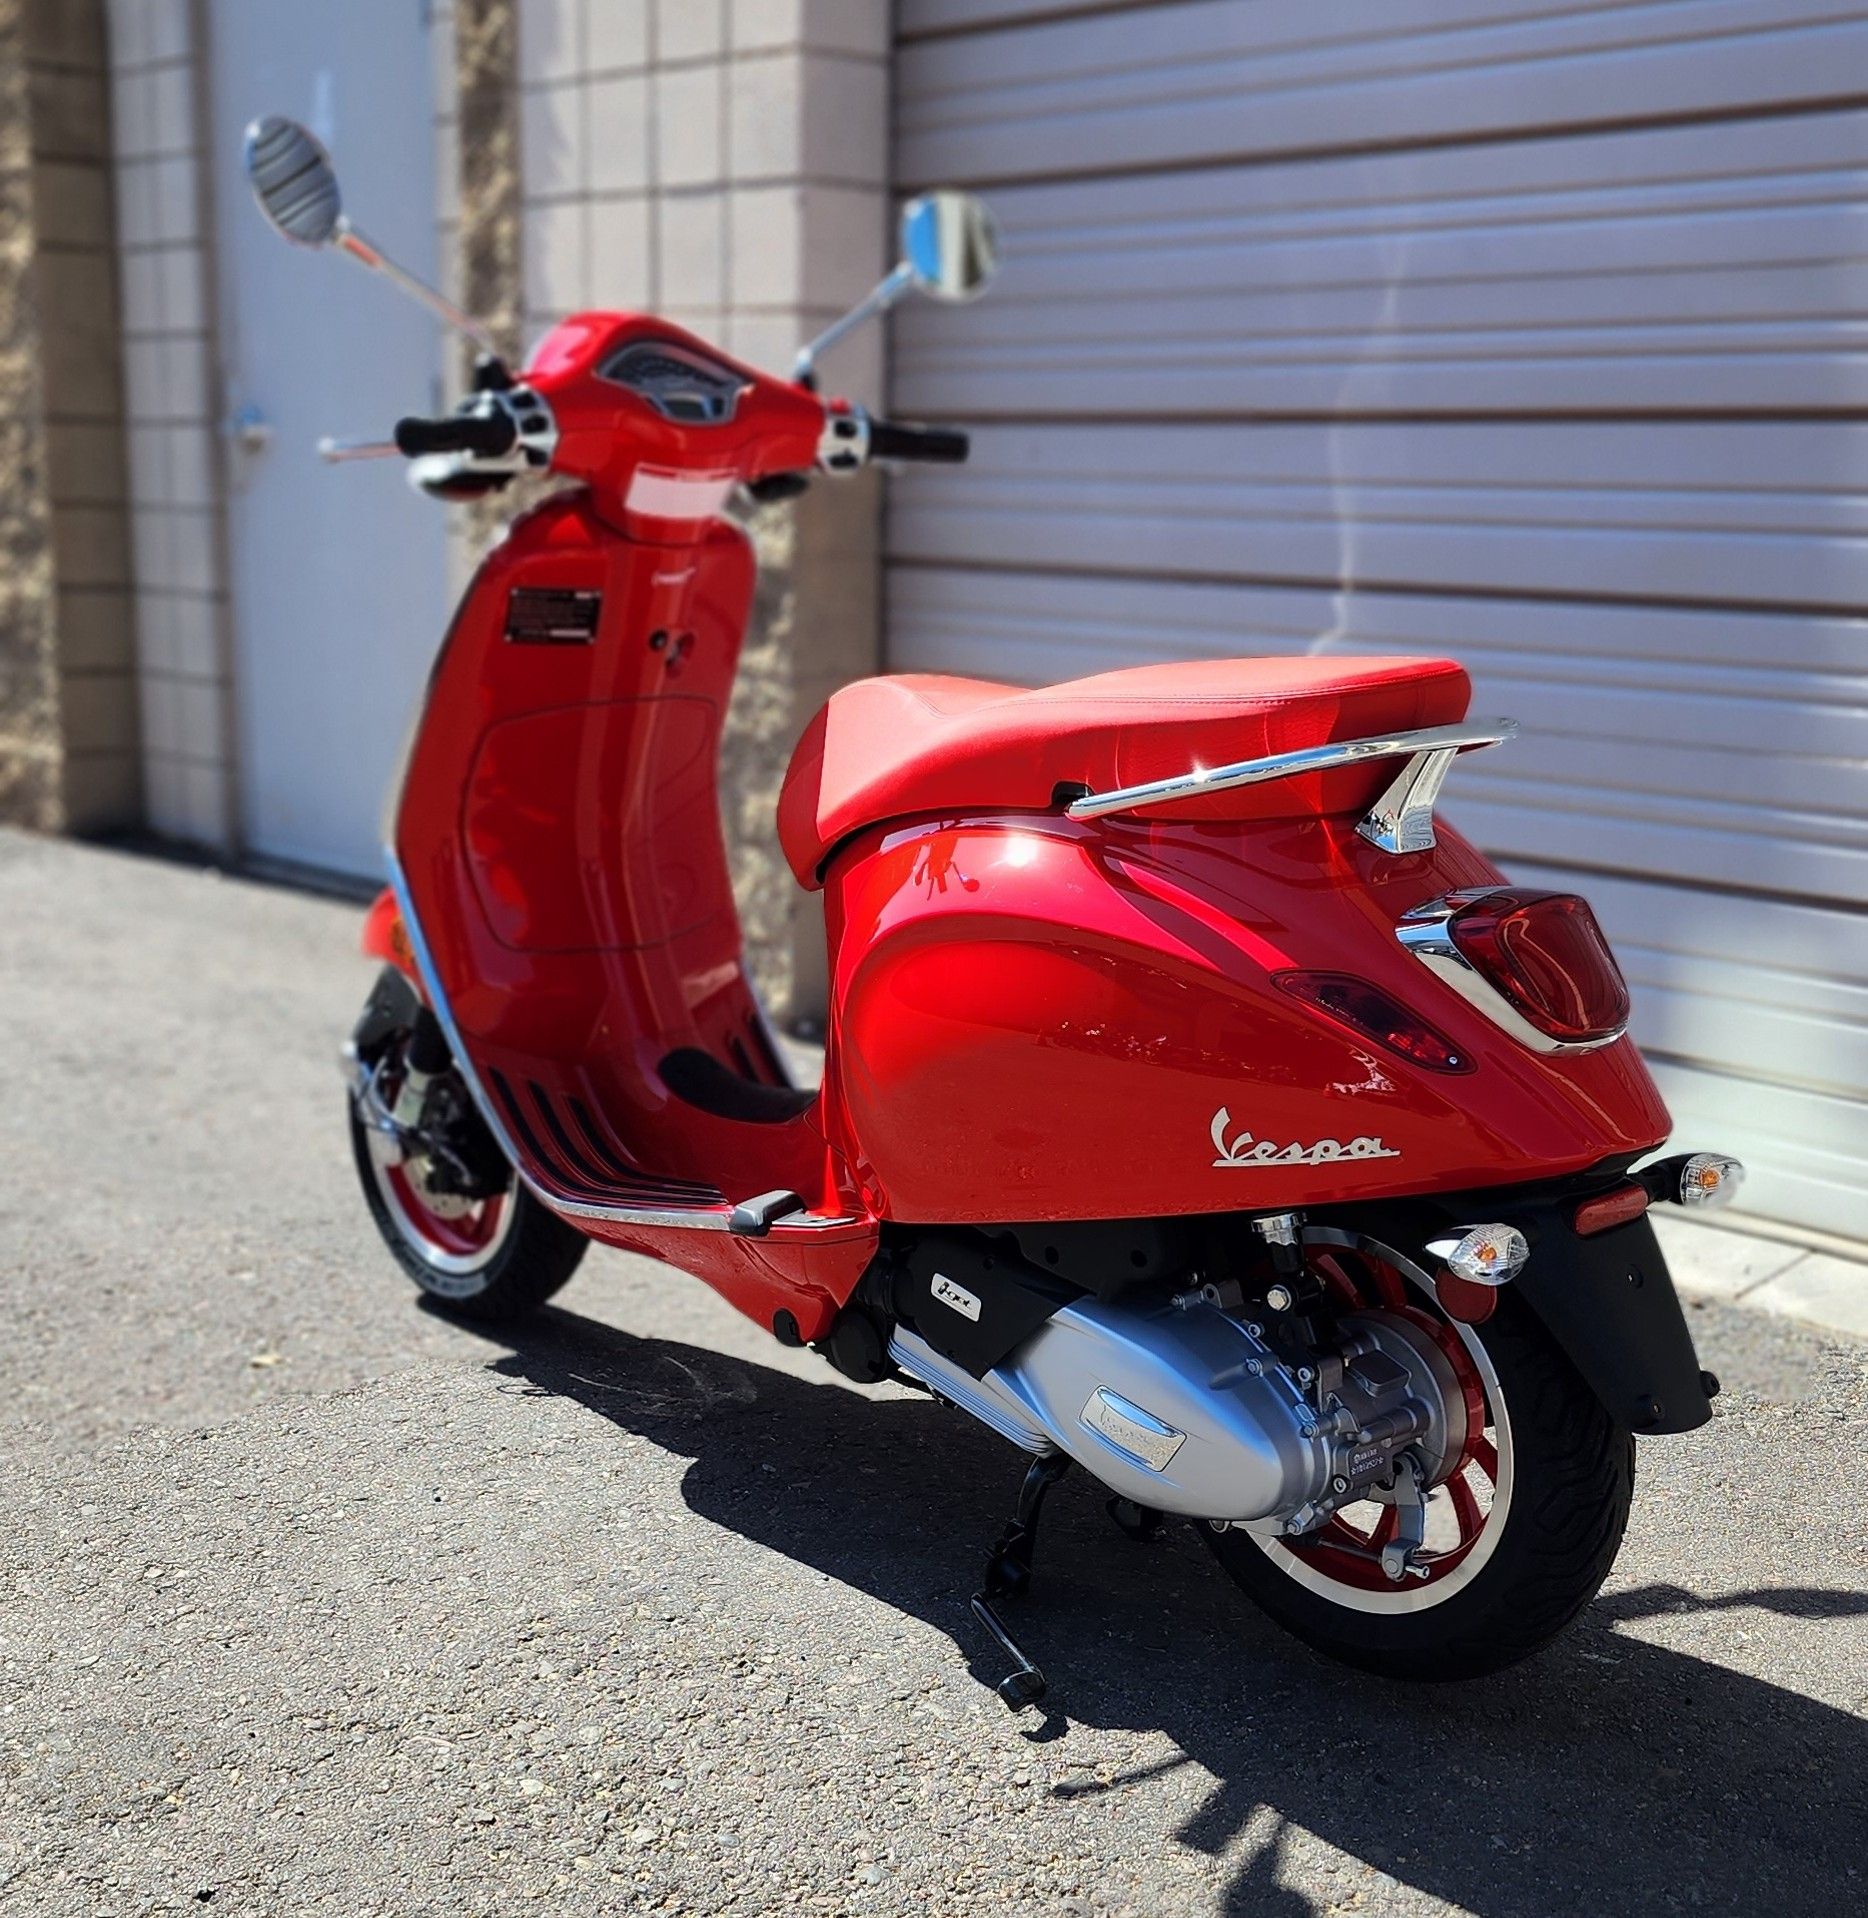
(489, 429)
(938, 445)
(489, 436)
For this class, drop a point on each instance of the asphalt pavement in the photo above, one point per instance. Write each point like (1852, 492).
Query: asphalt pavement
(312, 1602)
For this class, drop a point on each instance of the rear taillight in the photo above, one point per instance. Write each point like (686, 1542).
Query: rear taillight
(1545, 953)
(1368, 1010)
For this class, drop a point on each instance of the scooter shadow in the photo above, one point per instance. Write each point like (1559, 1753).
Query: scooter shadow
(1606, 1770)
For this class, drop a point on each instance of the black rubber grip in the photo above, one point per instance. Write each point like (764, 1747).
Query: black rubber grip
(943, 445)
(489, 436)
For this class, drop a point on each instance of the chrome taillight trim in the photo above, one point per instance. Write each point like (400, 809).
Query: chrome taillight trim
(1424, 931)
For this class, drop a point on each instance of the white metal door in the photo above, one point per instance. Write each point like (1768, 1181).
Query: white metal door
(1516, 330)
(338, 572)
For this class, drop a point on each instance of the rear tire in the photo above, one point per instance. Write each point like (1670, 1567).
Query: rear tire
(499, 1261)
(1559, 1513)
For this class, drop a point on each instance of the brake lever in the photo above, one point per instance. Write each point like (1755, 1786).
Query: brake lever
(338, 450)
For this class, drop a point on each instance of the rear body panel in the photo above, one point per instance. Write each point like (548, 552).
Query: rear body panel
(1040, 1020)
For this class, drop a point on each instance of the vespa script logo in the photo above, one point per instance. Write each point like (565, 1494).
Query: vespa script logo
(1245, 1150)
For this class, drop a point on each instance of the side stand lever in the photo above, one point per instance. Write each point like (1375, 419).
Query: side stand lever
(1008, 1575)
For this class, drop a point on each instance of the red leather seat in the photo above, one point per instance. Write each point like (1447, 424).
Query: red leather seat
(918, 744)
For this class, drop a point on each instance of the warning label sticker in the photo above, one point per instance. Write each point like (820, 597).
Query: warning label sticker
(552, 616)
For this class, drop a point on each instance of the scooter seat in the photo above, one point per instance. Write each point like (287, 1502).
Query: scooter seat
(916, 744)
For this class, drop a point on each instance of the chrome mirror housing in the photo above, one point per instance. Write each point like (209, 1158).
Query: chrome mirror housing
(950, 244)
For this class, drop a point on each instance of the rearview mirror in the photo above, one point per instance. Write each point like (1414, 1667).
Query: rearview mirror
(296, 186)
(950, 249)
(950, 243)
(293, 180)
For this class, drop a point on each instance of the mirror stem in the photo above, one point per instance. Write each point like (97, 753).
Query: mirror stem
(350, 241)
(878, 299)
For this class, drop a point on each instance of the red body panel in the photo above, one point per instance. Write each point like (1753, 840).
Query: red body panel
(608, 437)
(560, 838)
(1030, 1018)
(1041, 1020)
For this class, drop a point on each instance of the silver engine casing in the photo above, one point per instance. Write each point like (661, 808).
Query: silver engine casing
(1181, 1410)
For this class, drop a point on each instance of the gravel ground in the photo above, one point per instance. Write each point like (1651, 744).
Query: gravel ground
(312, 1602)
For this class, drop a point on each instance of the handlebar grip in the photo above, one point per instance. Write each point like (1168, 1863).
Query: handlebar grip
(942, 445)
(487, 435)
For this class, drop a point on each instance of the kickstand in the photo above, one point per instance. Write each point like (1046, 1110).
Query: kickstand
(1008, 1575)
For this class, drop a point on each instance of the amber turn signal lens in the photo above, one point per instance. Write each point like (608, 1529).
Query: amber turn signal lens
(1609, 1209)
(1709, 1178)
(1483, 1254)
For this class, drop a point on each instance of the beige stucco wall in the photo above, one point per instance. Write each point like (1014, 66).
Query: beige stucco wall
(725, 163)
(171, 378)
(68, 757)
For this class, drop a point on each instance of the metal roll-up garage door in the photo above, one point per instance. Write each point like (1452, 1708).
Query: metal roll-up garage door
(1533, 334)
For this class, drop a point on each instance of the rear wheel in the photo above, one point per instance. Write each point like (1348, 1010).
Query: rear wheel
(1521, 1531)
(450, 1208)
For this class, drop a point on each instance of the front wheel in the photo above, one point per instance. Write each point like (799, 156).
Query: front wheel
(482, 1248)
(1520, 1534)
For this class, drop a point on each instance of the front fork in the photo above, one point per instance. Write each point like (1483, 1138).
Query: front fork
(459, 1143)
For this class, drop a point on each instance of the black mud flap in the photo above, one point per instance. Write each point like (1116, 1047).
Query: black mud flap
(1609, 1302)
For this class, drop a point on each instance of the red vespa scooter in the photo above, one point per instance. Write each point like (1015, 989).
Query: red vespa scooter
(1197, 1107)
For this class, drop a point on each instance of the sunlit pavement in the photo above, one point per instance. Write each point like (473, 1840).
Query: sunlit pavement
(312, 1602)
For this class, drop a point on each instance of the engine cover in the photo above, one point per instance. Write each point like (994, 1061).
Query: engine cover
(1182, 1410)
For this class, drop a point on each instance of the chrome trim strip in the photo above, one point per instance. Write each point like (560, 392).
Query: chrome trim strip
(1250, 772)
(1423, 931)
(431, 981)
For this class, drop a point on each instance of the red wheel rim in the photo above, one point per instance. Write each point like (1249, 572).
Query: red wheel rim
(458, 1238)
(1345, 1553)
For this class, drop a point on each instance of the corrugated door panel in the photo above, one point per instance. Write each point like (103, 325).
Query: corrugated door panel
(1711, 268)
(1206, 81)
(918, 18)
(1528, 333)
(1704, 510)
(1803, 1152)
(1033, 627)
(1729, 746)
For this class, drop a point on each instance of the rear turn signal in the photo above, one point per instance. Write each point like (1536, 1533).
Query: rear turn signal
(1709, 1179)
(1546, 954)
(1368, 1010)
(1491, 1255)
